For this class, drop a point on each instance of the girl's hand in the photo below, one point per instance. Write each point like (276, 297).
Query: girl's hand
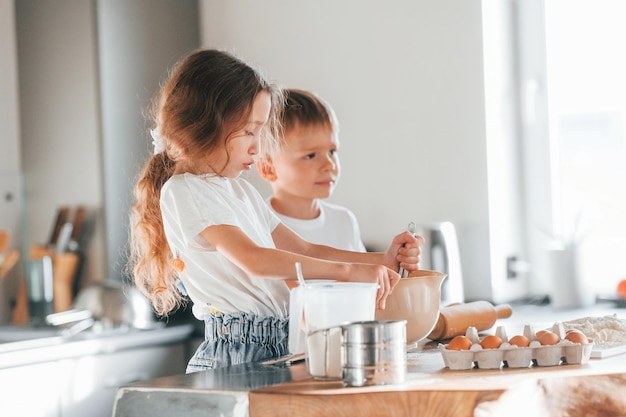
(386, 279)
(404, 252)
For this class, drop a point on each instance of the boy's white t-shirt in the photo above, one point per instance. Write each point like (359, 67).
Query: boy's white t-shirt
(189, 204)
(336, 226)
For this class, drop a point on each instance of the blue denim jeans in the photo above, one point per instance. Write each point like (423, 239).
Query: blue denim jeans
(231, 339)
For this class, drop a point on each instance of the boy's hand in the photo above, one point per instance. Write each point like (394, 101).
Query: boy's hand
(404, 252)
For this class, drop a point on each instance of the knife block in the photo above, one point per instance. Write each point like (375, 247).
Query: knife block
(64, 267)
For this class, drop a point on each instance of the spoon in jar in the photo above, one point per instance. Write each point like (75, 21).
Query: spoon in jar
(299, 274)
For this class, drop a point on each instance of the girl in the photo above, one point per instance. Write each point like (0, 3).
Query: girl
(195, 220)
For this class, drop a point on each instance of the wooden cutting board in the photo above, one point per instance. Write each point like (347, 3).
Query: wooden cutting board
(599, 352)
(432, 390)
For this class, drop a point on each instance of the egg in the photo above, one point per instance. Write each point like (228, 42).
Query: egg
(491, 342)
(540, 332)
(621, 288)
(576, 336)
(460, 343)
(519, 340)
(549, 338)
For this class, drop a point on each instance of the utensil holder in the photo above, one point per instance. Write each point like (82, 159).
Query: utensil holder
(39, 290)
(64, 266)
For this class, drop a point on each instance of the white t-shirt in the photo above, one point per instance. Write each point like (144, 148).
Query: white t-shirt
(191, 203)
(336, 226)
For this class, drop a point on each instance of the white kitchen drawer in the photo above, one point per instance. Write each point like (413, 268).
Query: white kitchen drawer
(96, 379)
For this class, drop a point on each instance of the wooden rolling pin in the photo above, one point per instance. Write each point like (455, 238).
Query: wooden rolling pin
(456, 318)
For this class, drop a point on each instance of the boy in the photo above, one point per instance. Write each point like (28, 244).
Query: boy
(305, 171)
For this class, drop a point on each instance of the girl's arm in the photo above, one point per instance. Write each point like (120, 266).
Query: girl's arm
(280, 263)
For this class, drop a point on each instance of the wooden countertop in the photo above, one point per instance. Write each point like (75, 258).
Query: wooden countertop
(429, 390)
(433, 390)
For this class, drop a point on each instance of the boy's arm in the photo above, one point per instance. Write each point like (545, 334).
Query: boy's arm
(402, 252)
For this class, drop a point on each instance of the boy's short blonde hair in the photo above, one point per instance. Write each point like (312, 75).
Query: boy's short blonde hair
(304, 108)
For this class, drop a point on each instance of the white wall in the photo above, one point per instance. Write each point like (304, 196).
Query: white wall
(10, 179)
(9, 114)
(406, 81)
(11, 183)
(59, 116)
(405, 77)
(504, 142)
(88, 70)
(138, 40)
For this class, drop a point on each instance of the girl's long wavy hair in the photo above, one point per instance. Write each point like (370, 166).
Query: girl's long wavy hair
(207, 96)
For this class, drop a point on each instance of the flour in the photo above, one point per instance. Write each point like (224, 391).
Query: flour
(324, 353)
(607, 330)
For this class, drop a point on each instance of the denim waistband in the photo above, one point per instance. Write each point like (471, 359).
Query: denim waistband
(245, 328)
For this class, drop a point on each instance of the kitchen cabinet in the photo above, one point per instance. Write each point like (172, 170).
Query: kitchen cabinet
(81, 378)
(93, 381)
(84, 386)
(33, 390)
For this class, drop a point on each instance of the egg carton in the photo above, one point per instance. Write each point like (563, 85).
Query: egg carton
(512, 356)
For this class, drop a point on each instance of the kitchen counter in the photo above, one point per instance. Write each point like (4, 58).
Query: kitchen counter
(27, 346)
(430, 388)
(45, 373)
